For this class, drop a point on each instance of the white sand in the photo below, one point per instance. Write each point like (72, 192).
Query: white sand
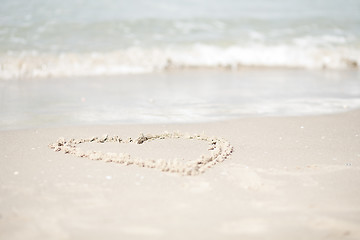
(218, 151)
(288, 178)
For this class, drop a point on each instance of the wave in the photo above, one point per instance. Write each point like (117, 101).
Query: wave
(32, 64)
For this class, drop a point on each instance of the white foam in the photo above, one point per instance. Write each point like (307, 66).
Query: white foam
(144, 60)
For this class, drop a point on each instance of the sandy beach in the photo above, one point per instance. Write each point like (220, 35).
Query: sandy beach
(176, 120)
(286, 178)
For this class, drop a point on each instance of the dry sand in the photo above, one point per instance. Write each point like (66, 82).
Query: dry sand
(287, 178)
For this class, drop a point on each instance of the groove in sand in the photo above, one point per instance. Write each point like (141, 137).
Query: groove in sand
(219, 149)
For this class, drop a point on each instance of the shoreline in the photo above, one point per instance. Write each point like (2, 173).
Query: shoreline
(288, 177)
(178, 97)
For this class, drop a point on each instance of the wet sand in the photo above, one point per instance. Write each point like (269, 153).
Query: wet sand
(187, 96)
(285, 178)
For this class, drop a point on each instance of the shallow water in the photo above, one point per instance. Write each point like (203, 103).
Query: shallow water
(176, 97)
(97, 62)
(41, 38)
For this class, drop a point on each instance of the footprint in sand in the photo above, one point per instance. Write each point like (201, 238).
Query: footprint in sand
(219, 150)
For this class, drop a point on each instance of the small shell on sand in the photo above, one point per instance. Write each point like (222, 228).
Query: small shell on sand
(103, 138)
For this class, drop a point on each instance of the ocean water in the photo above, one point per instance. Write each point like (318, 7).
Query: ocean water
(65, 62)
(59, 38)
(176, 97)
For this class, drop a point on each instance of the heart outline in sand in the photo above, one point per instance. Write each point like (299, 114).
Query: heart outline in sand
(219, 149)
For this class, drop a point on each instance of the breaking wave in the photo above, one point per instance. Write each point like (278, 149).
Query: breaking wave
(32, 64)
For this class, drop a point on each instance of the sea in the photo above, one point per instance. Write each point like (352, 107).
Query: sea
(66, 62)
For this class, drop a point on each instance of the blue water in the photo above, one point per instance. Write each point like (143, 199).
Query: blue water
(98, 62)
(55, 38)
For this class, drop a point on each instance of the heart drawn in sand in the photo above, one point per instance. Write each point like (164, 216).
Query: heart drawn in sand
(219, 149)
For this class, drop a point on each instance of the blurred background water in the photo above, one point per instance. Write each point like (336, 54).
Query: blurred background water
(95, 62)
(176, 97)
(40, 38)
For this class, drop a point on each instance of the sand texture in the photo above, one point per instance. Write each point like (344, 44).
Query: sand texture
(274, 178)
(220, 150)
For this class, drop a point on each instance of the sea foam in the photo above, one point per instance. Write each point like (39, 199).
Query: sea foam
(31, 64)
